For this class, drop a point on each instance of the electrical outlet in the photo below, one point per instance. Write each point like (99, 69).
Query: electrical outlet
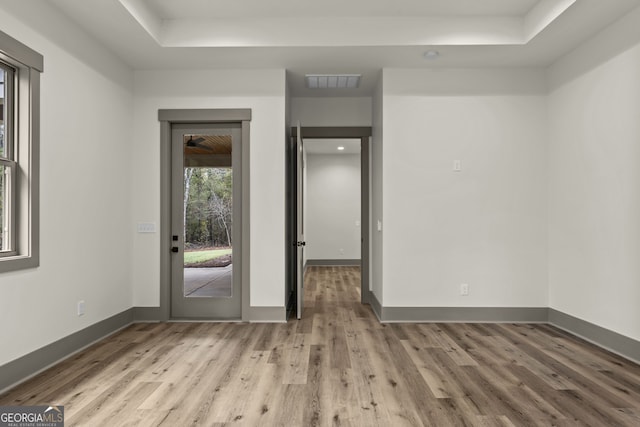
(464, 289)
(457, 165)
(80, 308)
(341, 251)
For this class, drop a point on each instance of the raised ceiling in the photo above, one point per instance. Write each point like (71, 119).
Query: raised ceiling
(289, 23)
(337, 36)
(172, 9)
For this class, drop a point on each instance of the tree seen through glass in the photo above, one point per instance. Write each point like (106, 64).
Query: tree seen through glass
(208, 212)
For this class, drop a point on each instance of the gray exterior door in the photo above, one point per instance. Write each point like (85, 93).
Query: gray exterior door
(206, 270)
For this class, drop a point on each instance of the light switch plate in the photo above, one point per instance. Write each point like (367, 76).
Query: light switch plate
(146, 227)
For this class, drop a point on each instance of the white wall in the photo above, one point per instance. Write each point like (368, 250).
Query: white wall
(263, 91)
(85, 175)
(594, 182)
(333, 207)
(331, 111)
(484, 226)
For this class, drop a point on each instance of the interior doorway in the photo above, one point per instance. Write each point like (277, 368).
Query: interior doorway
(333, 231)
(295, 164)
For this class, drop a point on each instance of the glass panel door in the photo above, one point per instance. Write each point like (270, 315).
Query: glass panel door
(206, 162)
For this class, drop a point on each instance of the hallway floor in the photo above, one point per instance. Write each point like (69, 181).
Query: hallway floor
(339, 366)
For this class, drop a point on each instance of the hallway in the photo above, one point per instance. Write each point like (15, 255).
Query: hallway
(339, 366)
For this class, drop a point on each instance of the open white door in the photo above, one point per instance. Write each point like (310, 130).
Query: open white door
(300, 243)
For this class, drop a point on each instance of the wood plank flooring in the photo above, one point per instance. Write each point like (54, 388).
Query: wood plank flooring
(339, 366)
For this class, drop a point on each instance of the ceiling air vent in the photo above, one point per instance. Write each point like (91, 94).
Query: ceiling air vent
(333, 81)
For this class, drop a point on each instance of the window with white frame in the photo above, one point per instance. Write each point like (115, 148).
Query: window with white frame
(7, 162)
(20, 69)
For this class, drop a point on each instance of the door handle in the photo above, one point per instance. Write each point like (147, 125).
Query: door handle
(302, 244)
(175, 249)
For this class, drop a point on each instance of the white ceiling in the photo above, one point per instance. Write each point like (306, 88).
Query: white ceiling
(330, 146)
(172, 9)
(290, 23)
(337, 36)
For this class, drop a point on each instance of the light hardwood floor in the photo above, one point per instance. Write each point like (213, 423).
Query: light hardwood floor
(339, 366)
